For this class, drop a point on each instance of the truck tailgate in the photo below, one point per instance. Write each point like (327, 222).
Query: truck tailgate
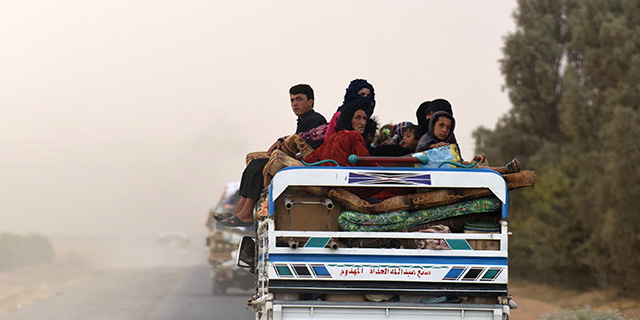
(320, 310)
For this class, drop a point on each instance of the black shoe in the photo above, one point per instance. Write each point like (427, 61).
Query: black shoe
(513, 166)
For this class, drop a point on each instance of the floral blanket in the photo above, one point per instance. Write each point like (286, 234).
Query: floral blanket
(392, 221)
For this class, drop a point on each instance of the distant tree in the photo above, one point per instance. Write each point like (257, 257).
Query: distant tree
(600, 116)
(533, 64)
(572, 70)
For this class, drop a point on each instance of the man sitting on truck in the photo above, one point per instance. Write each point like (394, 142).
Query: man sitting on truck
(302, 99)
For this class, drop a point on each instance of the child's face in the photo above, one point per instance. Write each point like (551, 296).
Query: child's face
(409, 141)
(442, 128)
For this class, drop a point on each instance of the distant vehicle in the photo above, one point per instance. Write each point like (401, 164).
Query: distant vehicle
(174, 239)
(229, 199)
(223, 243)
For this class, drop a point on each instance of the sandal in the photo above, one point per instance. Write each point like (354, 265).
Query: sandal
(513, 166)
(223, 216)
(479, 161)
(235, 222)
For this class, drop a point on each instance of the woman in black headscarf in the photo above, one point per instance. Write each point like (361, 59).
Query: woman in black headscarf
(428, 108)
(348, 138)
(358, 90)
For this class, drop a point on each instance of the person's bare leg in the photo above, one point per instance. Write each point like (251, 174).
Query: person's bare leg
(512, 166)
(239, 206)
(500, 170)
(246, 213)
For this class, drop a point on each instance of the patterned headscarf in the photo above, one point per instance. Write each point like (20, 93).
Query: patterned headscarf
(395, 136)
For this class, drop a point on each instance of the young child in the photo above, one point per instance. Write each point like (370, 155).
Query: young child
(370, 130)
(406, 146)
(441, 125)
(383, 134)
(410, 137)
(440, 131)
(428, 108)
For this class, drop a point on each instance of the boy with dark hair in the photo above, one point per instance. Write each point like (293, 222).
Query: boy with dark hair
(411, 136)
(302, 99)
(302, 89)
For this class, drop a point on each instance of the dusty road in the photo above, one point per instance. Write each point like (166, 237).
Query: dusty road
(137, 279)
(166, 293)
(119, 278)
(160, 293)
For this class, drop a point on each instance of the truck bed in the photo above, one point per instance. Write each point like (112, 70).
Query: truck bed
(309, 269)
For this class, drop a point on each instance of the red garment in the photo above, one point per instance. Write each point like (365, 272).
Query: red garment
(339, 146)
(331, 127)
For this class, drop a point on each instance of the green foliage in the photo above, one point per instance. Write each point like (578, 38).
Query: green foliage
(587, 314)
(615, 199)
(572, 69)
(17, 251)
(549, 239)
(534, 54)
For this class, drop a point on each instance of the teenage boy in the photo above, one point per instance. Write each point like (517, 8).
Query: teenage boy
(302, 100)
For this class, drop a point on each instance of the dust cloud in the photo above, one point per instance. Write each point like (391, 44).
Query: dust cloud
(113, 202)
(104, 253)
(123, 120)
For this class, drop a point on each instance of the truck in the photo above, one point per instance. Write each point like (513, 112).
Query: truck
(223, 243)
(312, 261)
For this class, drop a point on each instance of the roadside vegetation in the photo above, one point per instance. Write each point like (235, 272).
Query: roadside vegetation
(572, 71)
(17, 251)
(587, 314)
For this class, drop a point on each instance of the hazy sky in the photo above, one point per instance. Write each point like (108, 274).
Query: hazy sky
(129, 116)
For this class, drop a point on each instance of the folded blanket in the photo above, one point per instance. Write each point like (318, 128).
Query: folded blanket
(392, 221)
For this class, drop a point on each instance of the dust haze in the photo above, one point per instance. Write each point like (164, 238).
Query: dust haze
(125, 119)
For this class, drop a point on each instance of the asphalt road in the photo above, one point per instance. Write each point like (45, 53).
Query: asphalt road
(153, 293)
